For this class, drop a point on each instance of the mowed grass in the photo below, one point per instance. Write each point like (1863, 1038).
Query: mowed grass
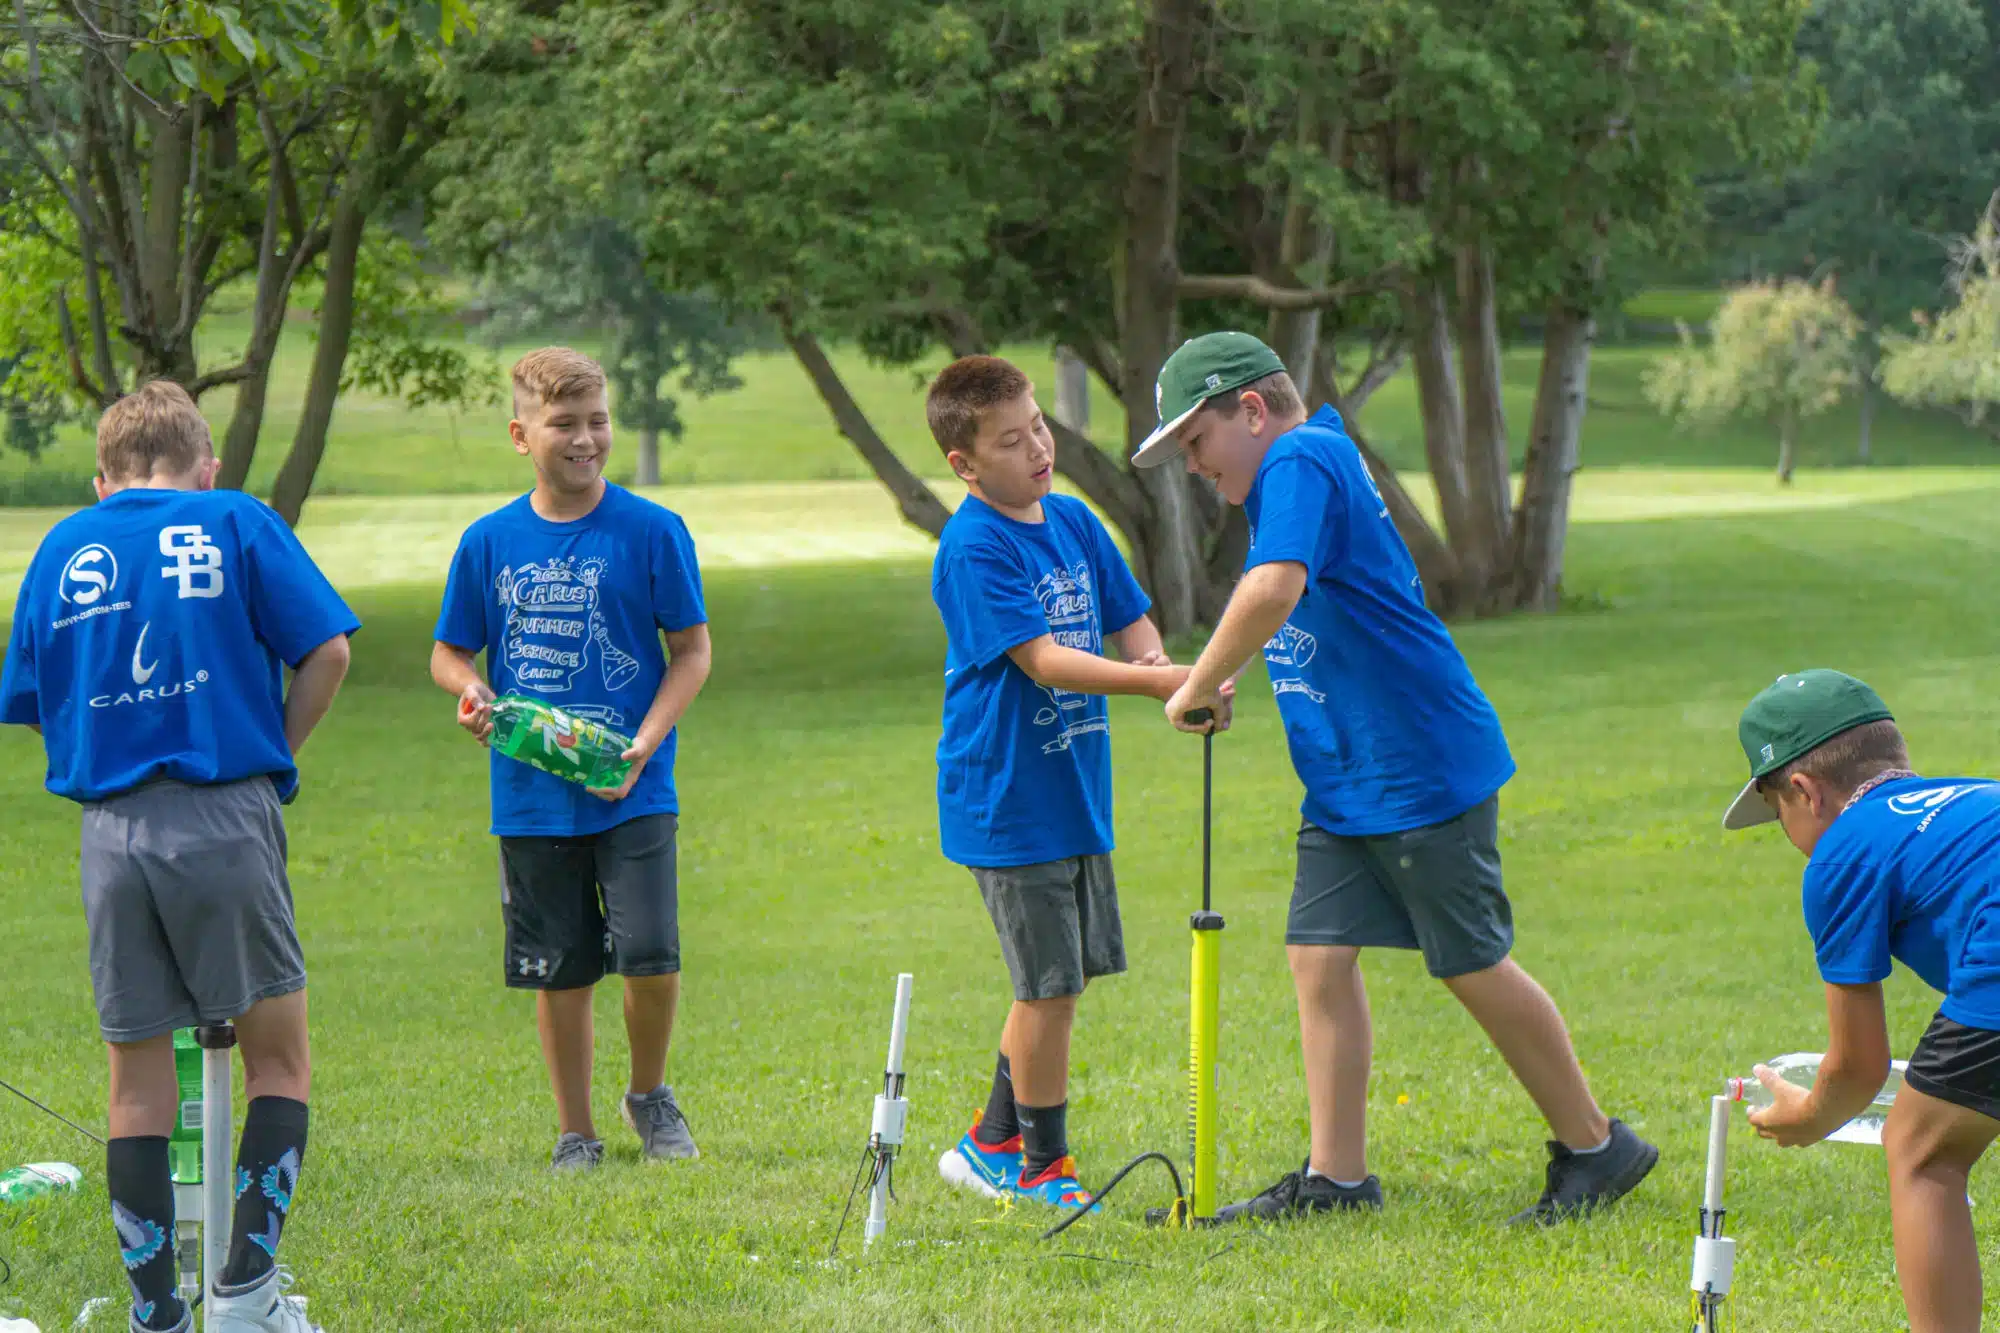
(810, 876)
(775, 428)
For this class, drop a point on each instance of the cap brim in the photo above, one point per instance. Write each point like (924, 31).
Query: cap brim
(1749, 809)
(1161, 446)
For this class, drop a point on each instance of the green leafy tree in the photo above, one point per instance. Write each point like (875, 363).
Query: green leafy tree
(590, 278)
(162, 150)
(1782, 351)
(1111, 177)
(1910, 146)
(1953, 361)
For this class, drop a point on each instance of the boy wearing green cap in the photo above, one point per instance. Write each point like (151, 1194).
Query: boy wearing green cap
(1898, 867)
(1402, 758)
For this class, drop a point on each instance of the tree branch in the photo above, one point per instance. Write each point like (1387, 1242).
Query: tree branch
(78, 375)
(919, 504)
(236, 374)
(1258, 291)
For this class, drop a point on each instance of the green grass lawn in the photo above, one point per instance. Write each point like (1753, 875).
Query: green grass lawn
(811, 875)
(775, 428)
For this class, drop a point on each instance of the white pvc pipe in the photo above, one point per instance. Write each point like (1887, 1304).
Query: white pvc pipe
(899, 1026)
(218, 1120)
(1718, 1148)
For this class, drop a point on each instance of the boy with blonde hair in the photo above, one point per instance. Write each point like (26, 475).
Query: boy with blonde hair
(568, 591)
(1030, 586)
(149, 647)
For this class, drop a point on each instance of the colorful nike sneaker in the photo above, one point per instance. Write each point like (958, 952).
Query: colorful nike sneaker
(989, 1169)
(1057, 1185)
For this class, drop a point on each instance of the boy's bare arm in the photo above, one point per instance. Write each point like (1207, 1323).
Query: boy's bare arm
(1856, 1063)
(454, 670)
(1050, 664)
(314, 684)
(688, 660)
(1139, 642)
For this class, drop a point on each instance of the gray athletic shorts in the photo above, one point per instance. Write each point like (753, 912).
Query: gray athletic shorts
(1435, 888)
(577, 908)
(189, 907)
(1058, 923)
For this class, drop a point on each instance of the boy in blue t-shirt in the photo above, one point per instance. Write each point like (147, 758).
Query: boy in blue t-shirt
(1402, 759)
(1905, 868)
(1030, 586)
(149, 648)
(567, 592)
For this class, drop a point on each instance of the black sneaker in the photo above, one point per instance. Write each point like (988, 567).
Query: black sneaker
(1580, 1182)
(1298, 1193)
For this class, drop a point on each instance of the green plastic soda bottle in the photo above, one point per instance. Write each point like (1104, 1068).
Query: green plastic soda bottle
(37, 1179)
(184, 1146)
(543, 736)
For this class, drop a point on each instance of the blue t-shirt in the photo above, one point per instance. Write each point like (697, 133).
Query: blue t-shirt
(1388, 730)
(1912, 873)
(151, 637)
(1024, 772)
(571, 613)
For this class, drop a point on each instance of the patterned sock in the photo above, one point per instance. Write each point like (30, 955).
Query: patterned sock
(267, 1175)
(998, 1125)
(142, 1208)
(1044, 1136)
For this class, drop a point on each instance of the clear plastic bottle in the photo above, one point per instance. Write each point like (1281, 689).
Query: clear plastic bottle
(37, 1179)
(543, 736)
(1803, 1069)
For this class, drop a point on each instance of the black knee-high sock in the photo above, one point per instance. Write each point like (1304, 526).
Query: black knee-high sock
(998, 1125)
(1044, 1136)
(267, 1175)
(142, 1208)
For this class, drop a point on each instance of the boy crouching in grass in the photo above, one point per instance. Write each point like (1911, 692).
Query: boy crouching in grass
(1898, 867)
(1030, 586)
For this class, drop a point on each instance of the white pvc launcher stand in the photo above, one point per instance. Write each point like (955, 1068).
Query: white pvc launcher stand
(1714, 1253)
(218, 1121)
(892, 1113)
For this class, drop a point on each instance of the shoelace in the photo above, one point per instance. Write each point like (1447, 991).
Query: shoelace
(665, 1112)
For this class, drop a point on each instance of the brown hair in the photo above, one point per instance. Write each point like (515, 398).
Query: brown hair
(964, 389)
(154, 427)
(1848, 760)
(549, 374)
(1280, 395)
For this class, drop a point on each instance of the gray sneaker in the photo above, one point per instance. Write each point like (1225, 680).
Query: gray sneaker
(662, 1129)
(574, 1152)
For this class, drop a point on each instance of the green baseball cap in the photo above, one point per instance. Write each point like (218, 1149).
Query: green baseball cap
(1796, 713)
(1198, 370)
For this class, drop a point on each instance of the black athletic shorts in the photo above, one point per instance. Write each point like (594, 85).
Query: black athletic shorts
(1958, 1064)
(577, 908)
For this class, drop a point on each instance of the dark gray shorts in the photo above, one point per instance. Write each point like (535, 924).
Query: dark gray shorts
(577, 908)
(189, 908)
(1435, 888)
(1058, 923)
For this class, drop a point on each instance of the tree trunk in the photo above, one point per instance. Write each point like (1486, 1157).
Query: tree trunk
(246, 421)
(1072, 391)
(336, 329)
(391, 123)
(1555, 433)
(1444, 439)
(646, 468)
(919, 504)
(1870, 392)
(1788, 430)
(1489, 479)
(1305, 250)
(163, 356)
(1436, 565)
(1166, 545)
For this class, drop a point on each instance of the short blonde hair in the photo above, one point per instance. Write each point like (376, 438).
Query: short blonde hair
(154, 427)
(549, 374)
